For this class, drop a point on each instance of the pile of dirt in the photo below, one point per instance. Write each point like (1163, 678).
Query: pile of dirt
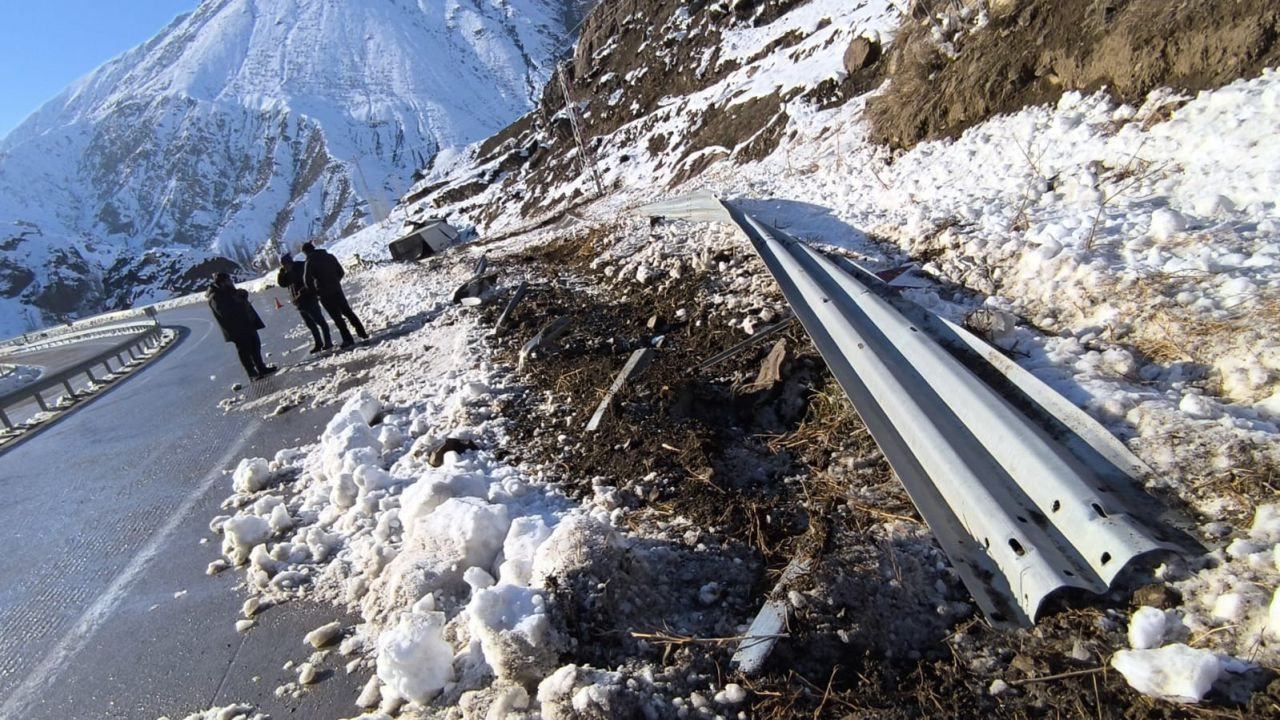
(1032, 51)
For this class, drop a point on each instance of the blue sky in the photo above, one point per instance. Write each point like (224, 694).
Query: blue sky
(47, 44)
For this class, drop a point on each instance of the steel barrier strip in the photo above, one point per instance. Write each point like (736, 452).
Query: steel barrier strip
(1021, 514)
(35, 390)
(80, 336)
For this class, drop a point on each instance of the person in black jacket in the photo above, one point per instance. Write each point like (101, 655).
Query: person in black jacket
(323, 274)
(306, 301)
(240, 324)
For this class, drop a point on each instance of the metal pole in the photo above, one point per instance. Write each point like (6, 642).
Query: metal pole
(40, 399)
(5, 419)
(588, 160)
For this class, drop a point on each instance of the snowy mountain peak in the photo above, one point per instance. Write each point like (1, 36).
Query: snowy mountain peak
(248, 125)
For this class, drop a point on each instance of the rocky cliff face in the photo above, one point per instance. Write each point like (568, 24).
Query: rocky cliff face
(247, 126)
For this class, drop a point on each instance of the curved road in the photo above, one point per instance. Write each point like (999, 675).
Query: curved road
(105, 610)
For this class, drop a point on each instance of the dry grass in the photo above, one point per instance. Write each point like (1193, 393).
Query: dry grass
(829, 424)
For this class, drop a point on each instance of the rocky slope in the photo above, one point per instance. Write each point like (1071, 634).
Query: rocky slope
(245, 126)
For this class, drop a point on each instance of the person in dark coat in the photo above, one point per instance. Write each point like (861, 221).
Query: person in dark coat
(323, 274)
(240, 324)
(306, 301)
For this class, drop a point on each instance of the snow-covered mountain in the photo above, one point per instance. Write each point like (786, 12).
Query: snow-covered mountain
(246, 125)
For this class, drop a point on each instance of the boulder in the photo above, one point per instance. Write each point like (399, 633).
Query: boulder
(863, 52)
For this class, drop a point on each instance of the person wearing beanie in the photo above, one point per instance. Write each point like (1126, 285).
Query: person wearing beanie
(240, 324)
(305, 301)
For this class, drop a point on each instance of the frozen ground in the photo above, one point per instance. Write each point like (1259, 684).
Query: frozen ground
(1128, 256)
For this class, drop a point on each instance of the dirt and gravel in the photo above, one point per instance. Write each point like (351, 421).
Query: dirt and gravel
(1032, 51)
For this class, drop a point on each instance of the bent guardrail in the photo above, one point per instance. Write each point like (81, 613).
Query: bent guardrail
(136, 346)
(1026, 494)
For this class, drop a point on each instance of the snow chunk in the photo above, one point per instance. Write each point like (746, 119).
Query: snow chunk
(323, 635)
(732, 694)
(1165, 223)
(1266, 524)
(1176, 672)
(241, 533)
(526, 535)
(413, 658)
(1146, 628)
(250, 475)
(514, 631)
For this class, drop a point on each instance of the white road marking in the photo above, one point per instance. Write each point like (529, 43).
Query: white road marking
(105, 604)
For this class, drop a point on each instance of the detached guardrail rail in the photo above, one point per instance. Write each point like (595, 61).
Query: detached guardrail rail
(1026, 494)
(136, 346)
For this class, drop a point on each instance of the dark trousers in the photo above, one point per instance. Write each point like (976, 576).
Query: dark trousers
(249, 348)
(311, 315)
(338, 308)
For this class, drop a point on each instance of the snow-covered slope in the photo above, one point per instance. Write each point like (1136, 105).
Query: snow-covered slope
(245, 125)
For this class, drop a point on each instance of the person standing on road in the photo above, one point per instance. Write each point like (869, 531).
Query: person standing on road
(240, 324)
(323, 274)
(306, 301)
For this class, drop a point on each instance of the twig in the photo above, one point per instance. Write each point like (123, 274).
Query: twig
(826, 693)
(1060, 676)
(884, 513)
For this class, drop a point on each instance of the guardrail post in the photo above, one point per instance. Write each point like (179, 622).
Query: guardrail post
(5, 419)
(71, 392)
(40, 399)
(89, 372)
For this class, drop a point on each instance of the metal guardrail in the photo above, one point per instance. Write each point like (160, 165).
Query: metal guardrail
(134, 346)
(74, 337)
(1025, 493)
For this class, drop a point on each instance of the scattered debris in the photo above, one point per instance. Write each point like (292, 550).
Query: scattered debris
(549, 333)
(759, 336)
(638, 361)
(770, 622)
(501, 325)
(435, 458)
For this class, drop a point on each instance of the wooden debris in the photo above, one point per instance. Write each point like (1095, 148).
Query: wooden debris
(771, 369)
(638, 361)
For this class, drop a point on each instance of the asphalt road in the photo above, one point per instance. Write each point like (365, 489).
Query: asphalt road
(105, 610)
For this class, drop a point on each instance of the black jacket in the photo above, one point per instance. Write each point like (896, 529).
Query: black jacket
(234, 313)
(323, 273)
(290, 278)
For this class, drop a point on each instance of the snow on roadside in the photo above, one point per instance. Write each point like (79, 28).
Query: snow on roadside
(447, 566)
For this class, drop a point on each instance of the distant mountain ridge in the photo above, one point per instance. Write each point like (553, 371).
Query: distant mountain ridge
(248, 125)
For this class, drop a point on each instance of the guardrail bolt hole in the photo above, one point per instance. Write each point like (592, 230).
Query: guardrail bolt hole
(1017, 547)
(1106, 558)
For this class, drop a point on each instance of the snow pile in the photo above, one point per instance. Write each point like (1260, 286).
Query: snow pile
(1231, 596)
(448, 565)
